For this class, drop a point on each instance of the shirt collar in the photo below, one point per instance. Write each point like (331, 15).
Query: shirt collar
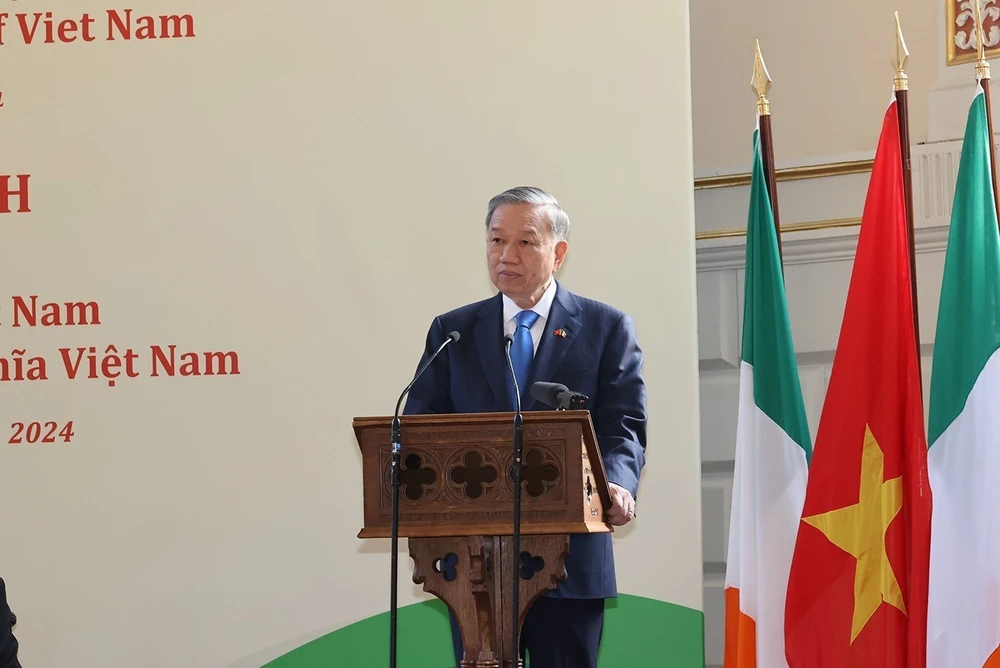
(542, 308)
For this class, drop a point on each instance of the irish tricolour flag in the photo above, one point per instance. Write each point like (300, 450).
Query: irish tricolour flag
(772, 451)
(963, 616)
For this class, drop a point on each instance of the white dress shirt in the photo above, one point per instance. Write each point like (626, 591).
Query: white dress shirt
(542, 308)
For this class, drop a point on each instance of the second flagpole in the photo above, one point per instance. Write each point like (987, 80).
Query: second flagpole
(901, 87)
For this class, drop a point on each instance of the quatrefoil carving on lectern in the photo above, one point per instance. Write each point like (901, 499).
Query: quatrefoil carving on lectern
(535, 474)
(414, 477)
(474, 476)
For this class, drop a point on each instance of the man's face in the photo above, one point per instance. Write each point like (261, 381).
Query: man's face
(522, 253)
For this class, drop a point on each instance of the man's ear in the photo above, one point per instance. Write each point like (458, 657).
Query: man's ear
(561, 248)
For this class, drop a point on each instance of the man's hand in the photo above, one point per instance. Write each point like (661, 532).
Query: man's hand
(622, 505)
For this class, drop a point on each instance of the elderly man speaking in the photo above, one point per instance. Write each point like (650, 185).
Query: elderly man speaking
(558, 337)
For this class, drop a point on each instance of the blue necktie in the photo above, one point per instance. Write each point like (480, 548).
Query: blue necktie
(522, 350)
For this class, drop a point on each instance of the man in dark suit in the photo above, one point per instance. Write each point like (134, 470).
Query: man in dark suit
(8, 644)
(557, 337)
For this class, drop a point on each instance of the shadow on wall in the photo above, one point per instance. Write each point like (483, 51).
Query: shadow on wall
(638, 632)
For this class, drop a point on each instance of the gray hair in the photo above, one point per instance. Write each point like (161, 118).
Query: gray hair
(558, 219)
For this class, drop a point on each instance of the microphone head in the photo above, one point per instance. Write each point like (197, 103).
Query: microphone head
(508, 340)
(454, 336)
(549, 394)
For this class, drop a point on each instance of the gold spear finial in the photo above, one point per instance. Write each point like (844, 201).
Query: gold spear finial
(982, 66)
(900, 82)
(761, 81)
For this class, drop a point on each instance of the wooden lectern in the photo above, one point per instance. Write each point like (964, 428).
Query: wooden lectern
(456, 510)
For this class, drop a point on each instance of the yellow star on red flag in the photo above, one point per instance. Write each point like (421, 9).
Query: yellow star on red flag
(859, 530)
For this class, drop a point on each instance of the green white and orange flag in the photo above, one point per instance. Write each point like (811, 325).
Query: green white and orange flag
(857, 589)
(772, 450)
(963, 617)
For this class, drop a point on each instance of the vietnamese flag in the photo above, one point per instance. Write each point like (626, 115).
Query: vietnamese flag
(857, 588)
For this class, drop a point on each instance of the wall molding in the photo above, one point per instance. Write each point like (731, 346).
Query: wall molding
(826, 247)
(935, 169)
(812, 226)
(817, 171)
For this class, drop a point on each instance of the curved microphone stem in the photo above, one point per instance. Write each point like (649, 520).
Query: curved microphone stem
(516, 539)
(397, 448)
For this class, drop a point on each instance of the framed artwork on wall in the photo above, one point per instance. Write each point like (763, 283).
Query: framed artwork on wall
(960, 30)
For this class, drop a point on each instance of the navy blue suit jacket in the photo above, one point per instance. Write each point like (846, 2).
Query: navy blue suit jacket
(599, 357)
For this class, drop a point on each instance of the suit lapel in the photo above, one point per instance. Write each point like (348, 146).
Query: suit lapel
(489, 340)
(552, 348)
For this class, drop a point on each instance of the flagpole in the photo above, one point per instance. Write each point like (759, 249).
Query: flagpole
(983, 75)
(901, 87)
(761, 82)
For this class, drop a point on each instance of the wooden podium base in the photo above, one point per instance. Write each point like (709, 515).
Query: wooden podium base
(472, 575)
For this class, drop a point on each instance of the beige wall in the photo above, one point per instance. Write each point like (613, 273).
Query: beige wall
(831, 63)
(306, 186)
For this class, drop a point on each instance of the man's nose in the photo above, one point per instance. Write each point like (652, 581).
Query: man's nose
(509, 253)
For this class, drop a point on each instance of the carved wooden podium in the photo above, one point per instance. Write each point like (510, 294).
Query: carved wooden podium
(456, 510)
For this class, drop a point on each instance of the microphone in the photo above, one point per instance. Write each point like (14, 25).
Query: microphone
(452, 337)
(516, 479)
(558, 396)
(397, 447)
(508, 341)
